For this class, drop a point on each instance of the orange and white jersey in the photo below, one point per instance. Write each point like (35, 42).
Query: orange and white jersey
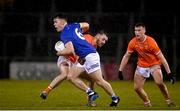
(147, 51)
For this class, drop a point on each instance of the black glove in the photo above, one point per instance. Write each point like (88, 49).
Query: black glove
(120, 75)
(171, 78)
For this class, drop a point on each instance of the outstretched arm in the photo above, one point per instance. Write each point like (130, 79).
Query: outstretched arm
(124, 61)
(164, 62)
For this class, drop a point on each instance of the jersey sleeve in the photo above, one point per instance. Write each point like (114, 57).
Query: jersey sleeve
(131, 46)
(65, 38)
(67, 34)
(154, 47)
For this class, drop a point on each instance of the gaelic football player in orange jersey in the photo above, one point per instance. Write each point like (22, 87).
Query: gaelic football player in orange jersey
(150, 58)
(64, 63)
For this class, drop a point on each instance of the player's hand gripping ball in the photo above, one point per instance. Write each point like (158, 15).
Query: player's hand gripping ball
(59, 46)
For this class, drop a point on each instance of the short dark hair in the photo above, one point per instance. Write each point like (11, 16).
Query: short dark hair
(60, 15)
(139, 24)
(101, 32)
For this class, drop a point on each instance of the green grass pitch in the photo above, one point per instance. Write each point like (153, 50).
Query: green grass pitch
(24, 95)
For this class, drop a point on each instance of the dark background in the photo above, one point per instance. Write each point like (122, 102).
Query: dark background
(27, 33)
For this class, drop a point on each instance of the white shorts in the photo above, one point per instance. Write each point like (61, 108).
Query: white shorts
(62, 59)
(145, 72)
(92, 63)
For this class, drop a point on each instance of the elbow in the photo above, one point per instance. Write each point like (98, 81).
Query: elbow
(84, 27)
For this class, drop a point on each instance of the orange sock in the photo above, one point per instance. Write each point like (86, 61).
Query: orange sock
(48, 89)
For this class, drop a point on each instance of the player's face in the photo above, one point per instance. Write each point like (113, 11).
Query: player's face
(139, 32)
(101, 39)
(59, 24)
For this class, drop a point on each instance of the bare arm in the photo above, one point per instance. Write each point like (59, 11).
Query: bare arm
(69, 50)
(124, 61)
(164, 62)
(84, 26)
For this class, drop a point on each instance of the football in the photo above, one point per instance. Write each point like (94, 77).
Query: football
(59, 46)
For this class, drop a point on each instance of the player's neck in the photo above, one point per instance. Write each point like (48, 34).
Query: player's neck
(143, 38)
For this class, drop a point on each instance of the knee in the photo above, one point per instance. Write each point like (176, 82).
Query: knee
(137, 88)
(159, 83)
(70, 77)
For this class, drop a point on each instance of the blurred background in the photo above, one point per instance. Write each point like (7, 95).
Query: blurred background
(27, 35)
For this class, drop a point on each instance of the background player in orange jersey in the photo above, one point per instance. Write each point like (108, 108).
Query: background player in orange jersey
(64, 63)
(150, 58)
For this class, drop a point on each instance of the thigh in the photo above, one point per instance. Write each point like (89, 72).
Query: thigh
(63, 61)
(85, 76)
(64, 69)
(138, 80)
(97, 75)
(75, 71)
(157, 75)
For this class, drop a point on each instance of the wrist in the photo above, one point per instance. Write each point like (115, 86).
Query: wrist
(169, 73)
(120, 70)
(59, 53)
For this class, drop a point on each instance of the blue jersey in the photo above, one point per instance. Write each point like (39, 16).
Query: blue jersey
(72, 32)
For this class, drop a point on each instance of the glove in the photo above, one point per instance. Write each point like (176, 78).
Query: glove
(171, 78)
(120, 75)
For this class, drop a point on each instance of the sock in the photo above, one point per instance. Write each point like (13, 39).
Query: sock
(89, 91)
(169, 101)
(148, 102)
(114, 98)
(113, 95)
(48, 89)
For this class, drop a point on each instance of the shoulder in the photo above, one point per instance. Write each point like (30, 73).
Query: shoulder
(151, 39)
(88, 36)
(152, 43)
(70, 25)
(75, 24)
(133, 41)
